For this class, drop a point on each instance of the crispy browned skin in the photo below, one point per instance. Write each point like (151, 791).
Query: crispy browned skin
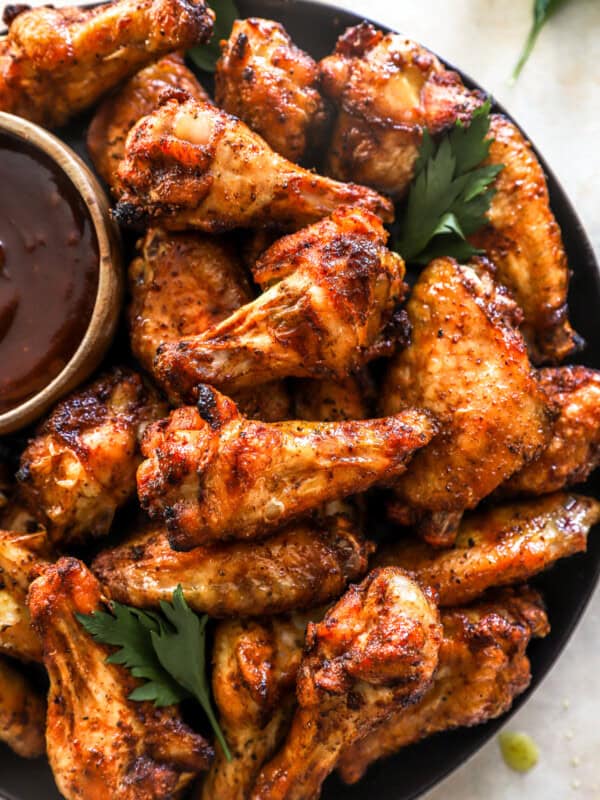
(482, 668)
(574, 449)
(191, 165)
(303, 565)
(81, 465)
(265, 80)
(22, 713)
(55, 62)
(524, 242)
(467, 363)
(499, 546)
(332, 305)
(387, 89)
(211, 474)
(332, 401)
(22, 557)
(375, 651)
(100, 744)
(117, 115)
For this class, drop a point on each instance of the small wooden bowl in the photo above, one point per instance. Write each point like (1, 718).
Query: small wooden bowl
(105, 314)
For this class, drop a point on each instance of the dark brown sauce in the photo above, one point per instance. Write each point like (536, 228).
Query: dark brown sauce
(48, 270)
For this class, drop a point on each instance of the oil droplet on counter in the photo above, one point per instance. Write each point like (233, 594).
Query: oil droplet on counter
(519, 751)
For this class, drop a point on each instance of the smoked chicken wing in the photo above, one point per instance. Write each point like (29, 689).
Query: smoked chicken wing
(80, 467)
(101, 744)
(483, 667)
(22, 713)
(191, 165)
(272, 85)
(467, 363)
(387, 89)
(56, 62)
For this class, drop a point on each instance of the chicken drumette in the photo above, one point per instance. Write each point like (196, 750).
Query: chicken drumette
(100, 743)
(22, 713)
(55, 62)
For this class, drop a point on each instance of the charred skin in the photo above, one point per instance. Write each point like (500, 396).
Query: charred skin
(22, 713)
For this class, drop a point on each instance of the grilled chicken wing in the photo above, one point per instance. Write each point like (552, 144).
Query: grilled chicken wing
(574, 449)
(332, 401)
(211, 474)
(55, 62)
(191, 165)
(22, 557)
(482, 669)
(502, 545)
(387, 89)
(375, 652)
(524, 242)
(81, 466)
(272, 85)
(466, 363)
(22, 713)
(141, 95)
(332, 305)
(100, 743)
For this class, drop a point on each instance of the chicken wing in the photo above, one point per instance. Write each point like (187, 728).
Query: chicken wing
(22, 713)
(22, 558)
(141, 95)
(100, 743)
(332, 305)
(387, 89)
(574, 449)
(499, 546)
(375, 651)
(524, 242)
(191, 165)
(81, 466)
(332, 401)
(212, 475)
(482, 669)
(272, 85)
(466, 363)
(56, 62)
(303, 565)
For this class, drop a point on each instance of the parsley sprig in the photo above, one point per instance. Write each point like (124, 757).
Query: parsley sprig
(450, 193)
(205, 56)
(167, 650)
(542, 11)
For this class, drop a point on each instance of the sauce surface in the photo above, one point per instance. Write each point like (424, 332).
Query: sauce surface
(48, 270)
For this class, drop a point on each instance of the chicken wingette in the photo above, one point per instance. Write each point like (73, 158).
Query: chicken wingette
(483, 667)
(56, 62)
(498, 546)
(375, 651)
(210, 474)
(80, 467)
(272, 85)
(467, 363)
(100, 743)
(191, 165)
(331, 303)
(22, 713)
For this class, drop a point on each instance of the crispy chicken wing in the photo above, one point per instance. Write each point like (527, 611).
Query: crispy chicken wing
(191, 165)
(482, 668)
(332, 304)
(375, 652)
(100, 743)
(55, 62)
(117, 115)
(467, 363)
(332, 401)
(574, 449)
(272, 85)
(81, 465)
(498, 546)
(387, 89)
(22, 713)
(211, 474)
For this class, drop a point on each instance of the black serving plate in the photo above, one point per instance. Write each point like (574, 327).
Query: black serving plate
(567, 587)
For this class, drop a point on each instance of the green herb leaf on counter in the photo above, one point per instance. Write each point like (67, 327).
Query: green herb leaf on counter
(167, 650)
(450, 194)
(205, 56)
(542, 10)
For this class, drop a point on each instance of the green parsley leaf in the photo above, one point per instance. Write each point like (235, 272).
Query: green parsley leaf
(205, 56)
(542, 11)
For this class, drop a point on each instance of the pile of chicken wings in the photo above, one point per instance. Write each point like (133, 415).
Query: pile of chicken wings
(286, 393)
